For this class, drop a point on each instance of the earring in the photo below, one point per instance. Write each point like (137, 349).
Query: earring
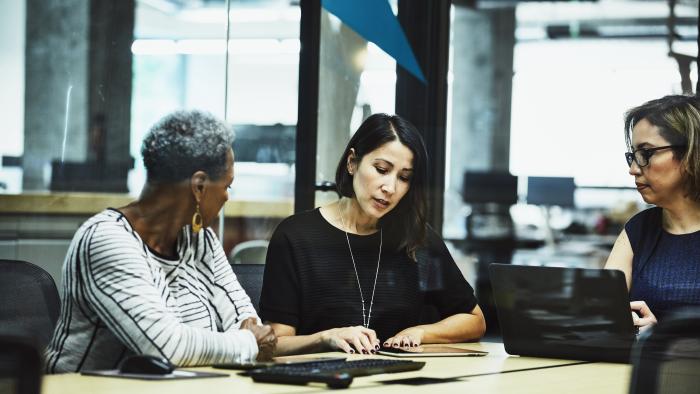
(196, 220)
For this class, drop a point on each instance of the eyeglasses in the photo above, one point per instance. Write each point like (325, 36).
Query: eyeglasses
(641, 156)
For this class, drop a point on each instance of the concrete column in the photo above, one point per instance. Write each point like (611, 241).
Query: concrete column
(342, 61)
(483, 74)
(483, 78)
(56, 75)
(78, 85)
(483, 42)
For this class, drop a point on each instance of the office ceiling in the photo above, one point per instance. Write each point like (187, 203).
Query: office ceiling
(279, 18)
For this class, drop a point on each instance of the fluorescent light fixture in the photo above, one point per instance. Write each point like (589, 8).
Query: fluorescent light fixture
(216, 47)
(241, 15)
(264, 46)
(154, 47)
(201, 47)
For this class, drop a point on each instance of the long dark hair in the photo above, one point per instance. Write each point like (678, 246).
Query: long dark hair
(406, 223)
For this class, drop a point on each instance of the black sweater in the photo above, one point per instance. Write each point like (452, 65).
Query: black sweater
(310, 283)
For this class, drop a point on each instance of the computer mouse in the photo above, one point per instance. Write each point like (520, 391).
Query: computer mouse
(146, 365)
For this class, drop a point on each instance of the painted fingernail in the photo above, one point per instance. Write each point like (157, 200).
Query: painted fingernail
(373, 351)
(376, 347)
(351, 351)
(415, 345)
(364, 351)
(386, 344)
(396, 345)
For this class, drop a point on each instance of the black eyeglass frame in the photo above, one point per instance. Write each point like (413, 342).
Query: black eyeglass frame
(647, 153)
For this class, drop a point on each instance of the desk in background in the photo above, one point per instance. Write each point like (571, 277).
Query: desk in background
(38, 227)
(494, 373)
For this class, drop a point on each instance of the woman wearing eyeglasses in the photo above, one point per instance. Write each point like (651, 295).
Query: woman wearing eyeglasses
(659, 248)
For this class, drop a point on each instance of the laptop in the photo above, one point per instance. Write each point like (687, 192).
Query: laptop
(566, 313)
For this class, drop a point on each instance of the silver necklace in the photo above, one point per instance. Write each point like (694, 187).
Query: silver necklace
(365, 317)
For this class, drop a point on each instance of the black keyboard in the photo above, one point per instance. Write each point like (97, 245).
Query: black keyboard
(336, 374)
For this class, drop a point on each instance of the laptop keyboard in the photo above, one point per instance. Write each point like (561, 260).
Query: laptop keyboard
(336, 374)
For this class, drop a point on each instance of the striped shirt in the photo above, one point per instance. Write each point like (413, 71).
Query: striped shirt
(120, 298)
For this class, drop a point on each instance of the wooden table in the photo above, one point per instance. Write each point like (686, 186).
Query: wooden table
(495, 373)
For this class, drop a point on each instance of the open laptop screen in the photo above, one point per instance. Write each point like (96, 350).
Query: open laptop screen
(568, 313)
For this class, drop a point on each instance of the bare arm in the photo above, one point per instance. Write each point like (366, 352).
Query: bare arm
(347, 339)
(461, 327)
(620, 257)
(290, 343)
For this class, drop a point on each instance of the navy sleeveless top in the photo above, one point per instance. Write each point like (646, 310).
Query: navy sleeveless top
(665, 267)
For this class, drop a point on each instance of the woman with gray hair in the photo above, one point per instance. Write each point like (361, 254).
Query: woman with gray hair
(151, 278)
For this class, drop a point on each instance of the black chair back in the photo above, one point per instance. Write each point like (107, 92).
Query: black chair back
(250, 276)
(29, 301)
(20, 364)
(667, 357)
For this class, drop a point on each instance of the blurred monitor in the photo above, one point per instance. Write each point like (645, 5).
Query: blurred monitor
(557, 191)
(265, 143)
(490, 187)
(90, 176)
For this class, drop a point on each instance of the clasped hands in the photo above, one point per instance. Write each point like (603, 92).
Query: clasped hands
(264, 336)
(362, 340)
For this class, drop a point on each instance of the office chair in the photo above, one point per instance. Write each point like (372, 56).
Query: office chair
(20, 364)
(250, 276)
(490, 232)
(29, 301)
(667, 357)
(249, 252)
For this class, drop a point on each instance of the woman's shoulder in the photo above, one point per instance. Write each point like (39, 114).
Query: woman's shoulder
(301, 220)
(109, 224)
(432, 246)
(432, 238)
(110, 218)
(644, 228)
(105, 230)
(645, 218)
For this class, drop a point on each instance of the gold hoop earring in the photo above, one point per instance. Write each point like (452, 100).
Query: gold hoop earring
(196, 220)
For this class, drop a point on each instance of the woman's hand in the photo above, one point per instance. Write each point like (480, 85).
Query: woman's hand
(364, 340)
(412, 336)
(264, 335)
(642, 316)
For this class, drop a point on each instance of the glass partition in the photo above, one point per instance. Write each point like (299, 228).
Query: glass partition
(356, 79)
(534, 85)
(84, 82)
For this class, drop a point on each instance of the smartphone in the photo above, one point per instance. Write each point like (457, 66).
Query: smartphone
(430, 351)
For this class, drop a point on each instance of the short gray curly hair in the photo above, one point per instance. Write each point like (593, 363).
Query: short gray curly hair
(185, 142)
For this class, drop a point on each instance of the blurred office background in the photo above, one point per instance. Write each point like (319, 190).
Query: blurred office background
(522, 112)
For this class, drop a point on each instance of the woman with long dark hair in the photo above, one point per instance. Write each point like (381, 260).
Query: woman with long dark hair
(367, 270)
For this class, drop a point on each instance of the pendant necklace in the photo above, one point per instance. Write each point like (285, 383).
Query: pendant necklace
(368, 316)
